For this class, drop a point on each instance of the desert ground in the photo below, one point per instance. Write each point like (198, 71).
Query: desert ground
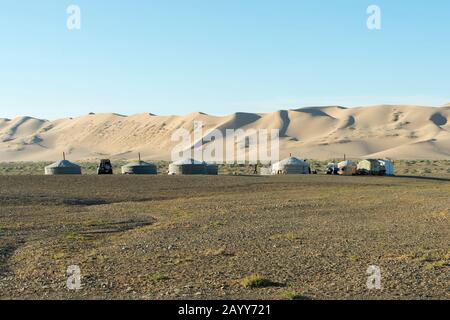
(225, 237)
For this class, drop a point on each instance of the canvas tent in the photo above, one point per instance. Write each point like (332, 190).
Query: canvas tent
(291, 165)
(212, 169)
(62, 167)
(347, 168)
(188, 167)
(140, 167)
(369, 167)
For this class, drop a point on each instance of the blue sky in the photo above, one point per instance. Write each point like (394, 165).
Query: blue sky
(219, 57)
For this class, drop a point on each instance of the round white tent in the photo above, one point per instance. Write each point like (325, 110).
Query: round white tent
(291, 165)
(62, 167)
(188, 167)
(140, 167)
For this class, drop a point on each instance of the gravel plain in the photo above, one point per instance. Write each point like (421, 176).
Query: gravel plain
(204, 237)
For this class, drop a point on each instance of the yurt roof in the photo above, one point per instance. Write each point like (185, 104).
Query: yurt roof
(188, 161)
(291, 161)
(346, 163)
(138, 164)
(63, 164)
(370, 160)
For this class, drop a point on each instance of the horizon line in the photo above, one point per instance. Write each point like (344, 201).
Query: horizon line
(223, 115)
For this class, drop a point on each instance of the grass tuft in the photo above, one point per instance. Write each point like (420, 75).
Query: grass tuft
(437, 265)
(292, 295)
(59, 255)
(256, 281)
(74, 236)
(160, 277)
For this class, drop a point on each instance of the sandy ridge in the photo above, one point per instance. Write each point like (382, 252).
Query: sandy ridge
(398, 132)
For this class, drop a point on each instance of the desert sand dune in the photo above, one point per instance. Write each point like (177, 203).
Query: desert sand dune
(397, 132)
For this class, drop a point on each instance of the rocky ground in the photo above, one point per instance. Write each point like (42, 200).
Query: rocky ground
(224, 237)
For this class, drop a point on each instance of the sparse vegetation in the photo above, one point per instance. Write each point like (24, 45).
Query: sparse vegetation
(256, 281)
(173, 237)
(59, 255)
(438, 264)
(160, 277)
(292, 295)
(290, 236)
(74, 236)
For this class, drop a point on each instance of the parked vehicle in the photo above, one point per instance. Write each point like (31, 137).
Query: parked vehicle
(332, 168)
(387, 167)
(105, 167)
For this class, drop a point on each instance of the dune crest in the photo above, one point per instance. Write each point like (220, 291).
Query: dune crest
(398, 132)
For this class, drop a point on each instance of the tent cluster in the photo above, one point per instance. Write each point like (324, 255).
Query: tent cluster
(289, 166)
(375, 167)
(184, 167)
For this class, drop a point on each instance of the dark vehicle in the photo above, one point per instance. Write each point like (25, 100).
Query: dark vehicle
(332, 168)
(105, 167)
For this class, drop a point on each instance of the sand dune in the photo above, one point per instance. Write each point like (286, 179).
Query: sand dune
(398, 132)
